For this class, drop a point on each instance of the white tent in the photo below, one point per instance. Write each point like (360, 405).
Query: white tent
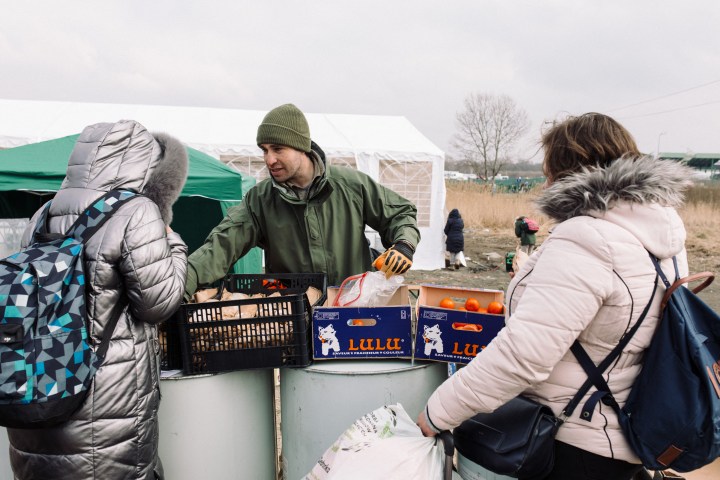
(388, 148)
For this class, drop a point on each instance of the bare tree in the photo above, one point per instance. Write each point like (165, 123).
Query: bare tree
(488, 129)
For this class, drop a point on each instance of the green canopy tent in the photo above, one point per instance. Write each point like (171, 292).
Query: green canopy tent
(31, 174)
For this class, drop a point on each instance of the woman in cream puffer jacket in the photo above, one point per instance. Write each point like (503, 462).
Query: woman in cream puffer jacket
(135, 266)
(589, 280)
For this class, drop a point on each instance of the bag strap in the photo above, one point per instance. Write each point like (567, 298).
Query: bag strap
(708, 278)
(594, 372)
(41, 228)
(88, 222)
(98, 213)
(104, 345)
(84, 228)
(86, 225)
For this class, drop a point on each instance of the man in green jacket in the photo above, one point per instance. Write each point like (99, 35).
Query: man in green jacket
(309, 217)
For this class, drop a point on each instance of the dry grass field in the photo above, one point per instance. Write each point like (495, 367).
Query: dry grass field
(489, 221)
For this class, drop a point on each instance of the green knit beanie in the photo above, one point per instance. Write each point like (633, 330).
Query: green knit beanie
(285, 125)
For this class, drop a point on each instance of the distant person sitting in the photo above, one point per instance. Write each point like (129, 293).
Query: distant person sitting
(455, 240)
(527, 237)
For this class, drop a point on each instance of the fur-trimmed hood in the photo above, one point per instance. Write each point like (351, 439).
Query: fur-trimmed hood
(640, 195)
(168, 178)
(594, 191)
(124, 155)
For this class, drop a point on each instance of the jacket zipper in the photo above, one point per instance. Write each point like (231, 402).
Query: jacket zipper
(509, 303)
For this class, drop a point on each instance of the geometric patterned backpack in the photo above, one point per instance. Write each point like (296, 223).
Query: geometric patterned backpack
(46, 363)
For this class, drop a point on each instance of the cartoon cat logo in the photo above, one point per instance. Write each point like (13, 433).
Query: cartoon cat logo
(432, 339)
(328, 339)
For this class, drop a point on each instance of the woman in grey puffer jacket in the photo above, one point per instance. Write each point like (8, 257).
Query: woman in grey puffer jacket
(135, 266)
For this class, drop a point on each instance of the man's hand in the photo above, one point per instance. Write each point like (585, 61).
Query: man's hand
(395, 260)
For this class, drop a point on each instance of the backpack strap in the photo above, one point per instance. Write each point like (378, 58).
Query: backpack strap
(594, 372)
(660, 272)
(40, 234)
(708, 278)
(104, 344)
(98, 213)
(87, 224)
(85, 227)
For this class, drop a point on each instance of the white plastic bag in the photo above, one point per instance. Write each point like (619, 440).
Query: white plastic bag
(460, 257)
(369, 289)
(386, 444)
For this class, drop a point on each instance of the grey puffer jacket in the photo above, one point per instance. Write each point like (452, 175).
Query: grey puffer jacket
(135, 269)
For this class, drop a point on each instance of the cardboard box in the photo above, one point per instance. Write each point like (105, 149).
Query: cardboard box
(363, 332)
(452, 335)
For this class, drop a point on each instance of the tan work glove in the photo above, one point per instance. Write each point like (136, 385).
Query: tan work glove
(395, 260)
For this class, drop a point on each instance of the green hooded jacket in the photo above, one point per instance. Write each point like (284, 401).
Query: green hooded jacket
(526, 238)
(324, 233)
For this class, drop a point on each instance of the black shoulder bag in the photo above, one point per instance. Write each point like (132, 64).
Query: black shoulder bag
(518, 439)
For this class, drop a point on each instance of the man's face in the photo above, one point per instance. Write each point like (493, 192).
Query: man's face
(282, 162)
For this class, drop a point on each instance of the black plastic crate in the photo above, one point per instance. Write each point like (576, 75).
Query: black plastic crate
(268, 283)
(278, 335)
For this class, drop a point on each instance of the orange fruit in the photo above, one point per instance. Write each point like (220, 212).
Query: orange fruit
(472, 305)
(378, 263)
(357, 322)
(495, 307)
(273, 284)
(460, 309)
(447, 302)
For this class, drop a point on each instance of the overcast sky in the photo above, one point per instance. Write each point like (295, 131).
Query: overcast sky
(652, 64)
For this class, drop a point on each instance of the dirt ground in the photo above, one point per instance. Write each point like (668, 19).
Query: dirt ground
(485, 251)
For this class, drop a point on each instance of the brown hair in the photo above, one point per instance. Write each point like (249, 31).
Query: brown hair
(588, 140)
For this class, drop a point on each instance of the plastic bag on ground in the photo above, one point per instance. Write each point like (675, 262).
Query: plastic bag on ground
(386, 443)
(460, 257)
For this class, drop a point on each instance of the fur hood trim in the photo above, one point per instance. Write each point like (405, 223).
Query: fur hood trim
(596, 190)
(169, 175)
